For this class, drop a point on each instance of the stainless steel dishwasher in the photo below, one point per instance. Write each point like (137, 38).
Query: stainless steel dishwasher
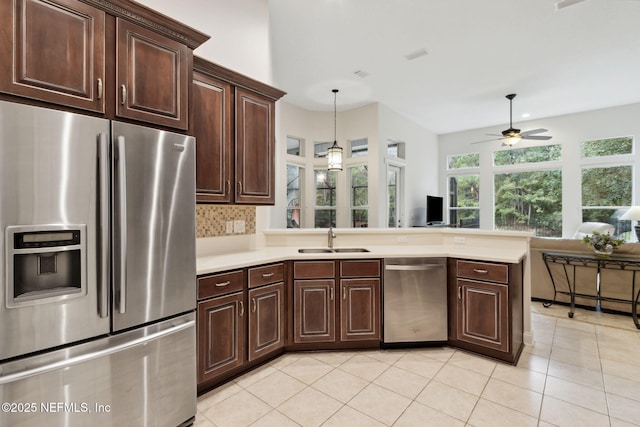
(415, 300)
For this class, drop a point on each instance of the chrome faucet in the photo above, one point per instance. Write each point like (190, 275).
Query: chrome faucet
(330, 237)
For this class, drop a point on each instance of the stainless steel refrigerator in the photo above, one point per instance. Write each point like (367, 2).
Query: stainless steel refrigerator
(97, 310)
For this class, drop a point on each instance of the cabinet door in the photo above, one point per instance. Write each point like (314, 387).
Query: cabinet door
(54, 51)
(266, 320)
(221, 335)
(483, 316)
(151, 77)
(255, 146)
(314, 311)
(210, 121)
(360, 309)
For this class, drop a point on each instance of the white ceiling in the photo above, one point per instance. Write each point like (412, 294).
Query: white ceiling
(582, 57)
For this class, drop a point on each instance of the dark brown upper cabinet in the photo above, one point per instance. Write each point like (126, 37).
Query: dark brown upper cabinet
(53, 51)
(233, 120)
(116, 58)
(152, 76)
(211, 122)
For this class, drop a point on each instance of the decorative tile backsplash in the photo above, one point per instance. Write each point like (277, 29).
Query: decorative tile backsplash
(211, 220)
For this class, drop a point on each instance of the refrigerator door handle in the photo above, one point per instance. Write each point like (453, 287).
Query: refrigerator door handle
(122, 203)
(103, 281)
(65, 363)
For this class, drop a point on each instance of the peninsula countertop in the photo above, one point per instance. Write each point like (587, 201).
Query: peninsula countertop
(222, 262)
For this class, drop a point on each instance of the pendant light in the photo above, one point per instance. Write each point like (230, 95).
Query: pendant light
(334, 153)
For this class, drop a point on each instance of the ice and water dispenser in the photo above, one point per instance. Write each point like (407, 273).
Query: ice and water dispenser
(45, 263)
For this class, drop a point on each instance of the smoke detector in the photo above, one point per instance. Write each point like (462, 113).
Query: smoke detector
(416, 54)
(561, 4)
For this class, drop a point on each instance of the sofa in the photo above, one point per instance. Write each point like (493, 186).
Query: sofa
(615, 283)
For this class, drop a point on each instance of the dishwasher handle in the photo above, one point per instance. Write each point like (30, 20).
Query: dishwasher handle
(414, 267)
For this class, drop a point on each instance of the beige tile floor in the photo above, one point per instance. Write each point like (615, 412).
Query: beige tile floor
(583, 371)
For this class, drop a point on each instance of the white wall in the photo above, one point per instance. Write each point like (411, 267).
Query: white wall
(421, 163)
(240, 40)
(569, 131)
(378, 124)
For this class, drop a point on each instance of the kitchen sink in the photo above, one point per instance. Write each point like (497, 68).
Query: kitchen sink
(315, 251)
(328, 251)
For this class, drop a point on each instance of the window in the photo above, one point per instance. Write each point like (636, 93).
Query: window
(464, 201)
(529, 201)
(545, 153)
(320, 149)
(395, 149)
(462, 161)
(359, 147)
(294, 195)
(607, 182)
(359, 196)
(528, 196)
(464, 191)
(394, 194)
(325, 209)
(607, 147)
(606, 195)
(295, 146)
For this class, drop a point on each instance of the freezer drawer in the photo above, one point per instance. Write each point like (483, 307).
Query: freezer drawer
(145, 377)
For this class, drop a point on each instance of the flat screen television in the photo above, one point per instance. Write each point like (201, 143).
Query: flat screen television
(435, 210)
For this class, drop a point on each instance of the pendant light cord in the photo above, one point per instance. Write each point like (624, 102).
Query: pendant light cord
(335, 121)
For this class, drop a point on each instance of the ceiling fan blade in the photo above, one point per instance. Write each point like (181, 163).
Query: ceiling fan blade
(487, 140)
(531, 132)
(537, 137)
(494, 134)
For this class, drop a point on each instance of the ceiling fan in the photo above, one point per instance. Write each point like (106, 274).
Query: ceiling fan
(512, 136)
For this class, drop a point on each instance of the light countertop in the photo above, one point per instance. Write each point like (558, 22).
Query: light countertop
(230, 261)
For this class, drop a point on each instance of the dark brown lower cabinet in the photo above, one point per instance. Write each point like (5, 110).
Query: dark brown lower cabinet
(314, 310)
(360, 309)
(483, 315)
(485, 308)
(221, 335)
(266, 320)
(336, 310)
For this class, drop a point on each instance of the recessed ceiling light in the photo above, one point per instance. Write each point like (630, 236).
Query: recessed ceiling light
(417, 54)
(525, 115)
(361, 73)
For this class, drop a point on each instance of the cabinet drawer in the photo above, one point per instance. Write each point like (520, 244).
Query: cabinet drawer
(219, 284)
(264, 275)
(314, 270)
(357, 268)
(484, 271)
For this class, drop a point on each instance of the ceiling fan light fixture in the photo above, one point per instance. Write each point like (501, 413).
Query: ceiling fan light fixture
(512, 135)
(334, 153)
(512, 140)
